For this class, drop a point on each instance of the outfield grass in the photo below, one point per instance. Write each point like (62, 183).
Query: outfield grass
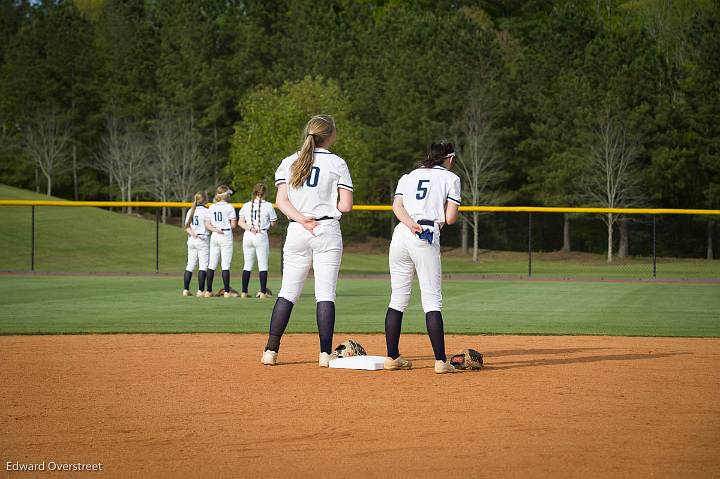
(102, 304)
(96, 240)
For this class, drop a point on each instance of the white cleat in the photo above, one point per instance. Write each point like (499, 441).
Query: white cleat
(186, 293)
(200, 294)
(325, 358)
(444, 367)
(391, 364)
(269, 358)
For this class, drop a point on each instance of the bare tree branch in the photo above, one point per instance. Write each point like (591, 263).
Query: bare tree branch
(612, 179)
(478, 163)
(45, 140)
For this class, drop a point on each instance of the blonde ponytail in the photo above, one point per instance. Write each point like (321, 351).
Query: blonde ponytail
(200, 198)
(317, 130)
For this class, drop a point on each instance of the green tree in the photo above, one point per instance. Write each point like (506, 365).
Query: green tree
(127, 51)
(49, 67)
(271, 129)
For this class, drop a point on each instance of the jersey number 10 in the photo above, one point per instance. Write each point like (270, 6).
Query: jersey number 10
(218, 215)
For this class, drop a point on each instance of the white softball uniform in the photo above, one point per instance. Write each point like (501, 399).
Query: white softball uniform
(198, 248)
(260, 215)
(425, 192)
(316, 198)
(221, 246)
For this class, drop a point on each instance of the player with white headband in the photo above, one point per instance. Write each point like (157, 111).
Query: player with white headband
(314, 188)
(426, 199)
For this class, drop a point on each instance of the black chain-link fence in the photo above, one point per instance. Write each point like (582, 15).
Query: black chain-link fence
(72, 239)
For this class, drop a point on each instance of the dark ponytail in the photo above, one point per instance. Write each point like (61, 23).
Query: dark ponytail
(437, 154)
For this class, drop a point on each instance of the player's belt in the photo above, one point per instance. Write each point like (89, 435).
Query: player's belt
(226, 229)
(322, 218)
(426, 222)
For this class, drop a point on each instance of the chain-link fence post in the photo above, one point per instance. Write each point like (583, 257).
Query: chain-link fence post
(653, 248)
(157, 240)
(529, 244)
(32, 239)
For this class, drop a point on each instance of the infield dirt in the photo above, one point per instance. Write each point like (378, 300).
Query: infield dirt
(204, 406)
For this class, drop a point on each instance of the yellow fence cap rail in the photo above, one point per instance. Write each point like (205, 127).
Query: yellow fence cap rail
(481, 209)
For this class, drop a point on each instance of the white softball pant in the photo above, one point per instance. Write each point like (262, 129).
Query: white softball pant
(221, 246)
(198, 253)
(323, 252)
(408, 253)
(256, 244)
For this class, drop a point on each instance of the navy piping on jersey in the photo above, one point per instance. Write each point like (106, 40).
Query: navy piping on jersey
(453, 200)
(348, 187)
(398, 194)
(279, 181)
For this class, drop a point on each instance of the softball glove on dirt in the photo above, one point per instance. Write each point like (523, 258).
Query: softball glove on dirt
(467, 359)
(350, 348)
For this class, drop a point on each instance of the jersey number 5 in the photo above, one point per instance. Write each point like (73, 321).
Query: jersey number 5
(422, 191)
(313, 177)
(196, 221)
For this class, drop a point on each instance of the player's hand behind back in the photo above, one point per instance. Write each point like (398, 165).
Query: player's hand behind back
(310, 224)
(415, 228)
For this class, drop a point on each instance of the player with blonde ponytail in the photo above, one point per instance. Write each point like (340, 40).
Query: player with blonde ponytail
(314, 189)
(198, 243)
(222, 219)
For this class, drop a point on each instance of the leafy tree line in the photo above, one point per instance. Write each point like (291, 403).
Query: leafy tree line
(565, 103)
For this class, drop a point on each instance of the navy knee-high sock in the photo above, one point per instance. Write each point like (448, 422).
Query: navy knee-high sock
(434, 324)
(226, 279)
(263, 281)
(186, 279)
(245, 280)
(393, 324)
(202, 275)
(325, 314)
(210, 277)
(278, 322)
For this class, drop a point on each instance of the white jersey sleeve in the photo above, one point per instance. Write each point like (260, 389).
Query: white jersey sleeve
(402, 189)
(244, 212)
(343, 173)
(270, 212)
(454, 189)
(282, 174)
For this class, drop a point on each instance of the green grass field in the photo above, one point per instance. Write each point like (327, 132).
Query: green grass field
(91, 239)
(112, 304)
(96, 240)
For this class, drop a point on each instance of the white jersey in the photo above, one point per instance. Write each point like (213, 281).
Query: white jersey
(220, 215)
(425, 192)
(318, 195)
(198, 220)
(258, 214)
